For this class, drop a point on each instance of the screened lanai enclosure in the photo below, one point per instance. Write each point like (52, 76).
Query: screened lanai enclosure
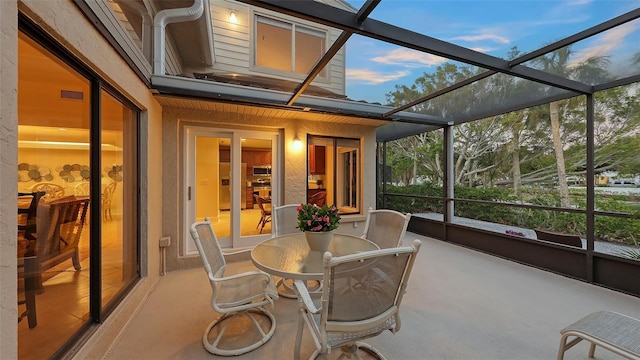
(511, 127)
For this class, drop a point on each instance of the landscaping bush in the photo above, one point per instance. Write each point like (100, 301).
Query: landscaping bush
(618, 229)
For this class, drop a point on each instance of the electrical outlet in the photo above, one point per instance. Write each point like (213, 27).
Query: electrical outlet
(165, 241)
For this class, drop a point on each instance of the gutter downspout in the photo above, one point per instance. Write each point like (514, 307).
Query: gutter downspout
(164, 18)
(147, 26)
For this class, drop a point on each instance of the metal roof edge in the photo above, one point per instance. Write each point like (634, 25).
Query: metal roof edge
(398, 130)
(217, 90)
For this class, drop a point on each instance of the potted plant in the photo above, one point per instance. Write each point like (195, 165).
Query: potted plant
(318, 223)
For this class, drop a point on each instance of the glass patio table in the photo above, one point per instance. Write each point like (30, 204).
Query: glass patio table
(289, 256)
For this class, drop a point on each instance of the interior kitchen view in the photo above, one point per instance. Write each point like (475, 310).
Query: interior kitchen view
(331, 179)
(214, 184)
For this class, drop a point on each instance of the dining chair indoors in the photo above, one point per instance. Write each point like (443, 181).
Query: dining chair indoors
(81, 189)
(51, 190)
(27, 213)
(386, 228)
(319, 198)
(107, 199)
(265, 214)
(58, 232)
(241, 299)
(361, 298)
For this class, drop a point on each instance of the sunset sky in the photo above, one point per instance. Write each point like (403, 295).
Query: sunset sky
(491, 27)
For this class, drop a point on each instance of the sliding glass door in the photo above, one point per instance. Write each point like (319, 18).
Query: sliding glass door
(229, 179)
(77, 198)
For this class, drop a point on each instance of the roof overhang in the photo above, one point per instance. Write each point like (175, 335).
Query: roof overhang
(239, 94)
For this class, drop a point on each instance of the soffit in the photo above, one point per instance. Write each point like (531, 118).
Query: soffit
(191, 103)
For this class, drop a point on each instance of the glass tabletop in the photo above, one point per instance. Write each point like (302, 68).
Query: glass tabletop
(289, 256)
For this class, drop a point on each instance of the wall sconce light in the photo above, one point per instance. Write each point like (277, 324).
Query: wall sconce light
(233, 17)
(297, 144)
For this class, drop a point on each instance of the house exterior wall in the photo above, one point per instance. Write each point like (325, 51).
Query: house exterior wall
(234, 49)
(8, 184)
(160, 175)
(294, 184)
(64, 22)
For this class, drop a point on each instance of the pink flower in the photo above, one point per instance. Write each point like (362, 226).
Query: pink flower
(299, 208)
(309, 222)
(326, 219)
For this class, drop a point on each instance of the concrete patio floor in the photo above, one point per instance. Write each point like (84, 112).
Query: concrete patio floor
(460, 304)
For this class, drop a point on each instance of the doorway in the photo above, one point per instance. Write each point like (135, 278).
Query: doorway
(227, 173)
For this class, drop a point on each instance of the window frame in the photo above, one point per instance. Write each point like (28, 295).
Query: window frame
(323, 76)
(333, 190)
(97, 310)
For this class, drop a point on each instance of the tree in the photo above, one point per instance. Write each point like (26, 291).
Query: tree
(559, 63)
(471, 140)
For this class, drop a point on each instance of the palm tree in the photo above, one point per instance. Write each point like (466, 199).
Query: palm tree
(559, 63)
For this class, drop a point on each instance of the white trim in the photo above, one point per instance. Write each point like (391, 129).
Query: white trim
(235, 240)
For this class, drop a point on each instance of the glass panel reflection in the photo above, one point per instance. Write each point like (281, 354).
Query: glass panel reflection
(53, 171)
(118, 199)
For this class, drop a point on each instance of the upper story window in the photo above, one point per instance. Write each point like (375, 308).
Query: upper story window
(287, 46)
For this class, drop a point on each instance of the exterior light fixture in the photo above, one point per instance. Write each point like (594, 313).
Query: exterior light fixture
(297, 144)
(233, 17)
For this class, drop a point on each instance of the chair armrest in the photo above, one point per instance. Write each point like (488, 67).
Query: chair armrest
(305, 297)
(253, 273)
(257, 277)
(226, 253)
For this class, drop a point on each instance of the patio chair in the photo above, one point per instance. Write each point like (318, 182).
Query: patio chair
(361, 298)
(241, 300)
(386, 228)
(265, 215)
(285, 221)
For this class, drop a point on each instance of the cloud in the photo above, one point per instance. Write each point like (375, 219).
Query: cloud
(409, 58)
(605, 44)
(578, 2)
(371, 77)
(481, 37)
(483, 49)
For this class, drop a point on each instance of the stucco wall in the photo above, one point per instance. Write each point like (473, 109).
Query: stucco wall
(63, 21)
(8, 184)
(295, 166)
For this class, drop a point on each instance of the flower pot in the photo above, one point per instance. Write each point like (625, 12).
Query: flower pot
(318, 241)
